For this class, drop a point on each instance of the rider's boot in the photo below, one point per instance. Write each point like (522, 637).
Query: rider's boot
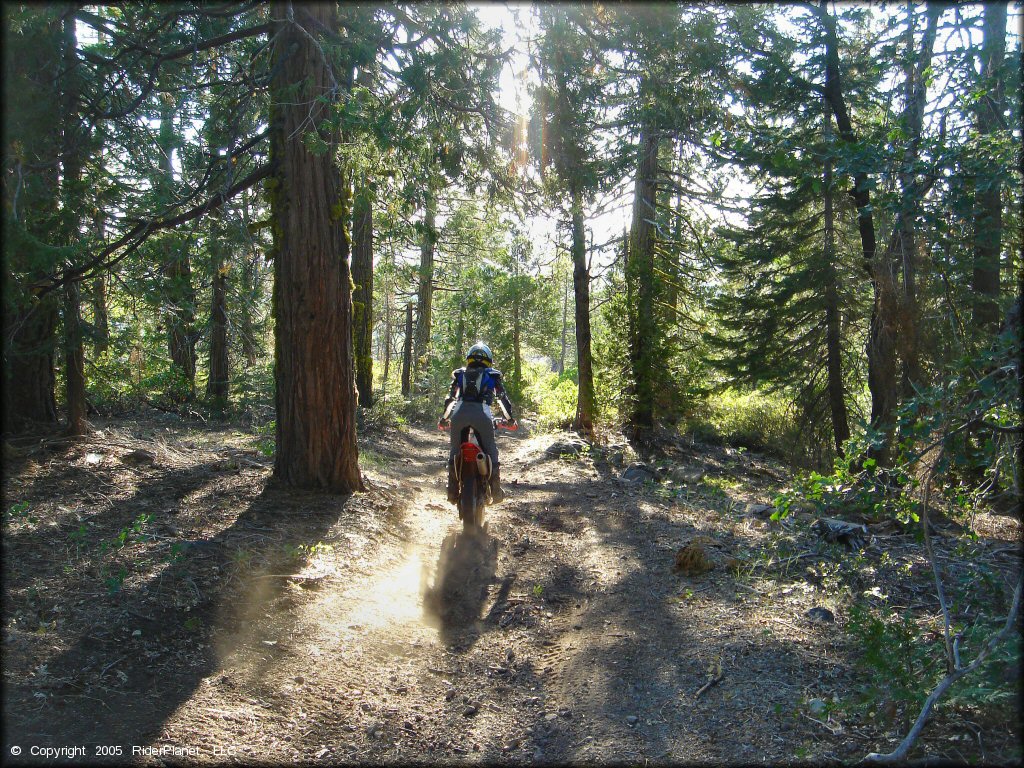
(497, 495)
(453, 483)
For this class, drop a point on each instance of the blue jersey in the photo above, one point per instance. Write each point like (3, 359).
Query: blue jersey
(478, 384)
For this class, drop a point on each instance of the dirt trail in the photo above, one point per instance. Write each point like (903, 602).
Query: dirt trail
(558, 636)
(315, 629)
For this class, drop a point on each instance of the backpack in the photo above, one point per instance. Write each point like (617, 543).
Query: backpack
(473, 384)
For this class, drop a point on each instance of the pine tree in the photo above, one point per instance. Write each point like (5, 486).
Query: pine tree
(314, 364)
(32, 63)
(570, 101)
(988, 216)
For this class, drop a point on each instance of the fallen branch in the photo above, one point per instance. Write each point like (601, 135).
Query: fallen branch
(237, 457)
(783, 560)
(708, 684)
(951, 664)
(112, 664)
(719, 675)
(834, 731)
(899, 754)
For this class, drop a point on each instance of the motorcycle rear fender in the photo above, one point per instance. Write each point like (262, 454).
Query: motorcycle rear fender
(470, 451)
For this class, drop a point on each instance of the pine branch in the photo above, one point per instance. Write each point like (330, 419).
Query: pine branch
(141, 232)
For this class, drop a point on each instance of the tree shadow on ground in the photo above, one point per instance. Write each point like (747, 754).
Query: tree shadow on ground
(155, 641)
(160, 492)
(634, 654)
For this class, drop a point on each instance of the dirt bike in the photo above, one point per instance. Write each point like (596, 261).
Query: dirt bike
(473, 470)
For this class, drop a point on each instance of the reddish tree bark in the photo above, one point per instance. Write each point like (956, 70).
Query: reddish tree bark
(903, 243)
(30, 316)
(180, 296)
(314, 370)
(884, 323)
(28, 364)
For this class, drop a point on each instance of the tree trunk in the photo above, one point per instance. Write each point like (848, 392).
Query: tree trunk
(988, 215)
(630, 290)
(460, 335)
(74, 361)
(217, 386)
(881, 344)
(644, 346)
(251, 345)
(833, 337)
(179, 314)
(517, 350)
(29, 349)
(386, 341)
(33, 61)
(586, 402)
(667, 253)
(425, 292)
(903, 243)
(180, 319)
(362, 276)
(217, 389)
(407, 353)
(250, 286)
(565, 327)
(223, 252)
(882, 360)
(666, 277)
(71, 207)
(100, 318)
(672, 296)
(362, 295)
(314, 369)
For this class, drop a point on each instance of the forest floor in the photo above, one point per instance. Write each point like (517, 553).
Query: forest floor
(163, 598)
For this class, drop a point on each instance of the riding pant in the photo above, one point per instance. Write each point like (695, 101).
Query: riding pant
(478, 416)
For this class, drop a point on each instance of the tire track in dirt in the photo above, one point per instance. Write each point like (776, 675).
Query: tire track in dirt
(368, 658)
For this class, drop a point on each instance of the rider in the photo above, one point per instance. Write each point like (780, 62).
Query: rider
(472, 391)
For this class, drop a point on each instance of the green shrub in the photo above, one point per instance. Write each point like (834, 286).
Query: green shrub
(553, 396)
(753, 420)
(382, 415)
(901, 662)
(266, 438)
(253, 388)
(113, 381)
(858, 490)
(169, 385)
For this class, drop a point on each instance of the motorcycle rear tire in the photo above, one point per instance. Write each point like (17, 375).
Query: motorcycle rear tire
(467, 502)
